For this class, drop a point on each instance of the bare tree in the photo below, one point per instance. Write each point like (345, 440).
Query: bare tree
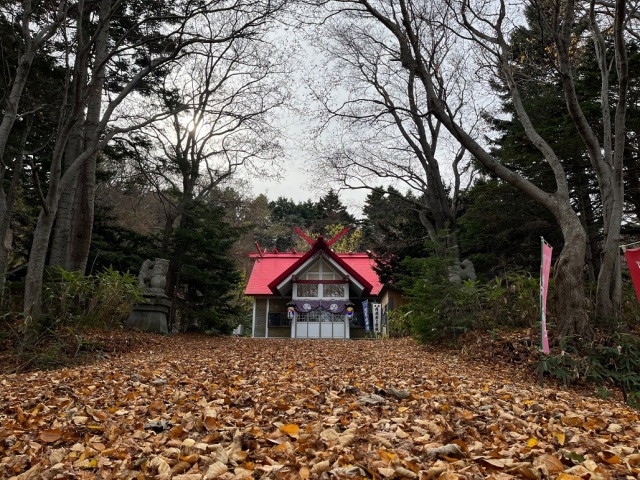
(152, 41)
(406, 22)
(228, 95)
(38, 24)
(378, 112)
(561, 20)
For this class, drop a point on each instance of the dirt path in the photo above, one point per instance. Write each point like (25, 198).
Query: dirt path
(199, 407)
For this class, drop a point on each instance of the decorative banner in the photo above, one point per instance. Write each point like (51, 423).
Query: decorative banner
(545, 268)
(339, 307)
(365, 311)
(633, 260)
(376, 308)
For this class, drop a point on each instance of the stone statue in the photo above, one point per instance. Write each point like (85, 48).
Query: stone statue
(152, 314)
(467, 270)
(462, 271)
(153, 275)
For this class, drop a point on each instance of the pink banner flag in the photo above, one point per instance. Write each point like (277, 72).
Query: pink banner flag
(633, 260)
(545, 268)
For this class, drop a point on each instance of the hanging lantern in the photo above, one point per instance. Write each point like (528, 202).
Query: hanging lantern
(291, 311)
(349, 312)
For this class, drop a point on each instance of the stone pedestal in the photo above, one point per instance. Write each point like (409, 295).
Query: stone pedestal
(150, 316)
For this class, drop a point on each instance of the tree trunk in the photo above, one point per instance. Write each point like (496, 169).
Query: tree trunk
(569, 299)
(609, 289)
(76, 209)
(37, 261)
(609, 293)
(83, 213)
(7, 208)
(84, 205)
(8, 120)
(60, 245)
(592, 256)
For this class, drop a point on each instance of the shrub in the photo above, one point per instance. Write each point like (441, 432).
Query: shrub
(612, 361)
(74, 300)
(440, 309)
(399, 323)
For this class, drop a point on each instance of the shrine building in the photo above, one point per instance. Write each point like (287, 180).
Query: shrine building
(315, 294)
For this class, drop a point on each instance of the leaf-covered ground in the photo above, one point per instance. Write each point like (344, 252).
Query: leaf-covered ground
(197, 407)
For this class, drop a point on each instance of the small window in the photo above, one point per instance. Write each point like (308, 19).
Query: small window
(307, 290)
(333, 290)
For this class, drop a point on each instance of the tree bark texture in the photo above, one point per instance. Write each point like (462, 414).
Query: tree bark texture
(60, 244)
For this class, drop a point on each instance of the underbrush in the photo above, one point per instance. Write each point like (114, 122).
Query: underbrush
(74, 304)
(443, 312)
(608, 362)
(440, 310)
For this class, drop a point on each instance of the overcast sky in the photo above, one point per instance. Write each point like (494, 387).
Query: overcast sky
(299, 186)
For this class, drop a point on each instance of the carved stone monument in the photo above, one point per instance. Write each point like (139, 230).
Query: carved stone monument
(152, 315)
(462, 271)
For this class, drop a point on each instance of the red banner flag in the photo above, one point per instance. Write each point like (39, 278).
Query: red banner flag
(633, 260)
(545, 268)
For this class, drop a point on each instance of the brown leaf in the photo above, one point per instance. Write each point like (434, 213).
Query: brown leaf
(215, 470)
(180, 467)
(176, 431)
(159, 468)
(550, 462)
(572, 421)
(51, 435)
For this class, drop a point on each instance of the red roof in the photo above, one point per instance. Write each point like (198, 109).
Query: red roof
(270, 269)
(266, 268)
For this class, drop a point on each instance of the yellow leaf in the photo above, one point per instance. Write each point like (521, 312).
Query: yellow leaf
(532, 442)
(403, 409)
(51, 435)
(560, 437)
(386, 456)
(291, 429)
(568, 476)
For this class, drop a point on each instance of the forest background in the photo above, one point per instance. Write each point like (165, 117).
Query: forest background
(133, 129)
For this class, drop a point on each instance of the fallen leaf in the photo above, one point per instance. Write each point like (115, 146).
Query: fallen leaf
(51, 435)
(291, 429)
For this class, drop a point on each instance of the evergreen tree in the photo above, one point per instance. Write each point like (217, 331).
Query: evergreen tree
(208, 277)
(331, 210)
(501, 228)
(392, 231)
